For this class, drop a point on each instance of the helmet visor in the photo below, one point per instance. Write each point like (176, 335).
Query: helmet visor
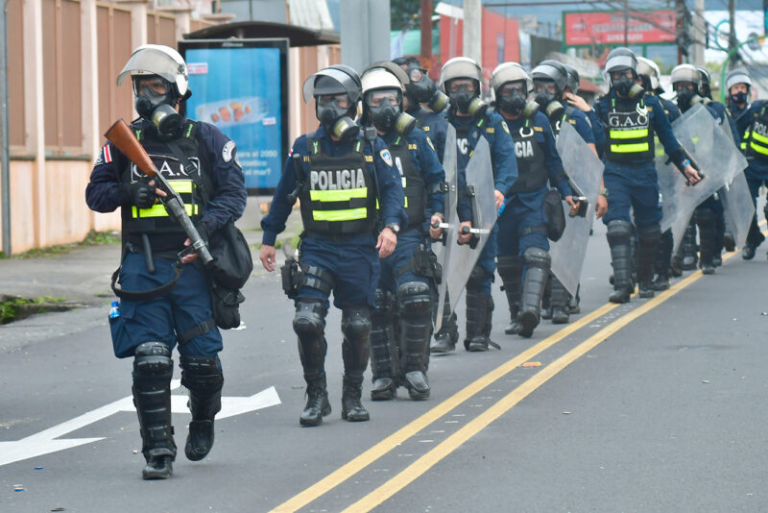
(343, 84)
(152, 62)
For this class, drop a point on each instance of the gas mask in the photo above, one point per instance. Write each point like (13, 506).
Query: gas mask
(156, 108)
(739, 98)
(514, 103)
(335, 119)
(627, 87)
(466, 102)
(686, 99)
(552, 107)
(386, 116)
(424, 91)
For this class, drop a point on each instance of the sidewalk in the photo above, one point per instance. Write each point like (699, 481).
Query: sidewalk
(81, 276)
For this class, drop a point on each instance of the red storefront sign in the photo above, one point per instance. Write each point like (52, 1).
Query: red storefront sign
(607, 28)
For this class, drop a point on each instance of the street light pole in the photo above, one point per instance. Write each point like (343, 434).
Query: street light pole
(731, 53)
(5, 170)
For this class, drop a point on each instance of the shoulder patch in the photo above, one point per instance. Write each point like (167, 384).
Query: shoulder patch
(429, 141)
(413, 146)
(368, 158)
(425, 128)
(572, 121)
(537, 128)
(504, 126)
(226, 152)
(386, 157)
(491, 130)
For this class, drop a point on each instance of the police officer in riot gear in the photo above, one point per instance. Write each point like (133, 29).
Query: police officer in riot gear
(402, 314)
(648, 74)
(424, 101)
(752, 122)
(148, 330)
(631, 118)
(461, 79)
(524, 260)
(551, 81)
(338, 172)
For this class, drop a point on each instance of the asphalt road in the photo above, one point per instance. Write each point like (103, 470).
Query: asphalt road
(654, 406)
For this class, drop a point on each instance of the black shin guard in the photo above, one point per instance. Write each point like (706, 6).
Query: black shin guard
(309, 325)
(510, 270)
(203, 377)
(384, 353)
(415, 304)
(356, 327)
(646, 252)
(705, 220)
(619, 235)
(537, 266)
(152, 373)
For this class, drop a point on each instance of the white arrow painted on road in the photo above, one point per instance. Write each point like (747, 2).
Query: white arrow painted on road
(45, 441)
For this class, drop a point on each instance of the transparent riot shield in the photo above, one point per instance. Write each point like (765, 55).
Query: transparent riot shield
(449, 166)
(459, 260)
(584, 169)
(738, 207)
(711, 150)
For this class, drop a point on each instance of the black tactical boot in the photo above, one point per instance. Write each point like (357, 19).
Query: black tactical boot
(537, 262)
(204, 379)
(646, 251)
(690, 259)
(384, 353)
(705, 220)
(619, 235)
(318, 405)
(356, 327)
(511, 271)
(351, 407)
(729, 242)
(560, 299)
(152, 373)
(546, 301)
(446, 338)
(574, 305)
(662, 261)
(415, 303)
(748, 251)
(479, 308)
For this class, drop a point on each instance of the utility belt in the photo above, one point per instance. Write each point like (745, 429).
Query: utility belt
(296, 275)
(423, 263)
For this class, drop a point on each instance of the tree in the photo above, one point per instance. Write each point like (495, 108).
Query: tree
(405, 14)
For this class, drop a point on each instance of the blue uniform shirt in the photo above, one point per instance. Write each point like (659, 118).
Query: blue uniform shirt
(582, 124)
(644, 170)
(435, 127)
(758, 168)
(598, 131)
(496, 131)
(425, 161)
(670, 109)
(228, 197)
(390, 190)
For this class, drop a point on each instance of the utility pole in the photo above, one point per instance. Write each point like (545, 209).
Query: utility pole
(626, 22)
(5, 164)
(699, 33)
(732, 42)
(426, 34)
(473, 28)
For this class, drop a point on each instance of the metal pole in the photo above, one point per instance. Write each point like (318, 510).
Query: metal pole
(626, 22)
(726, 62)
(5, 169)
(426, 34)
(732, 25)
(473, 28)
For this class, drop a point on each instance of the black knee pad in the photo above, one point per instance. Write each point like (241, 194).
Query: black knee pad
(537, 257)
(476, 277)
(356, 323)
(649, 234)
(619, 232)
(152, 363)
(201, 374)
(383, 303)
(509, 266)
(309, 320)
(413, 298)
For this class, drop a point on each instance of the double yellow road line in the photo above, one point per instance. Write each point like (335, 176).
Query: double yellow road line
(450, 444)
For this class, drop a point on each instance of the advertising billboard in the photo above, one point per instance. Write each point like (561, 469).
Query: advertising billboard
(589, 28)
(241, 87)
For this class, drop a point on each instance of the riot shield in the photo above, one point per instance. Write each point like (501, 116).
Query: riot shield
(711, 150)
(738, 207)
(449, 166)
(459, 260)
(584, 169)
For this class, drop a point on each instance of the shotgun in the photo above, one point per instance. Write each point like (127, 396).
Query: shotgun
(122, 137)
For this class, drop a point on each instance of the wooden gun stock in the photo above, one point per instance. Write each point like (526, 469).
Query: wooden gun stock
(122, 137)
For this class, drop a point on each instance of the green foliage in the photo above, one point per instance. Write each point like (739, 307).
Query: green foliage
(9, 309)
(93, 238)
(405, 14)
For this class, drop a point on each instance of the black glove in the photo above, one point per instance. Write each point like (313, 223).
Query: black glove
(138, 193)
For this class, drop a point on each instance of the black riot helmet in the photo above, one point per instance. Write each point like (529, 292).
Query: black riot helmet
(706, 82)
(621, 72)
(573, 79)
(420, 88)
(550, 79)
(337, 91)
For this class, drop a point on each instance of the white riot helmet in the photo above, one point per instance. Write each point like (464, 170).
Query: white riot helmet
(650, 69)
(512, 98)
(383, 100)
(686, 73)
(463, 100)
(158, 60)
(737, 76)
